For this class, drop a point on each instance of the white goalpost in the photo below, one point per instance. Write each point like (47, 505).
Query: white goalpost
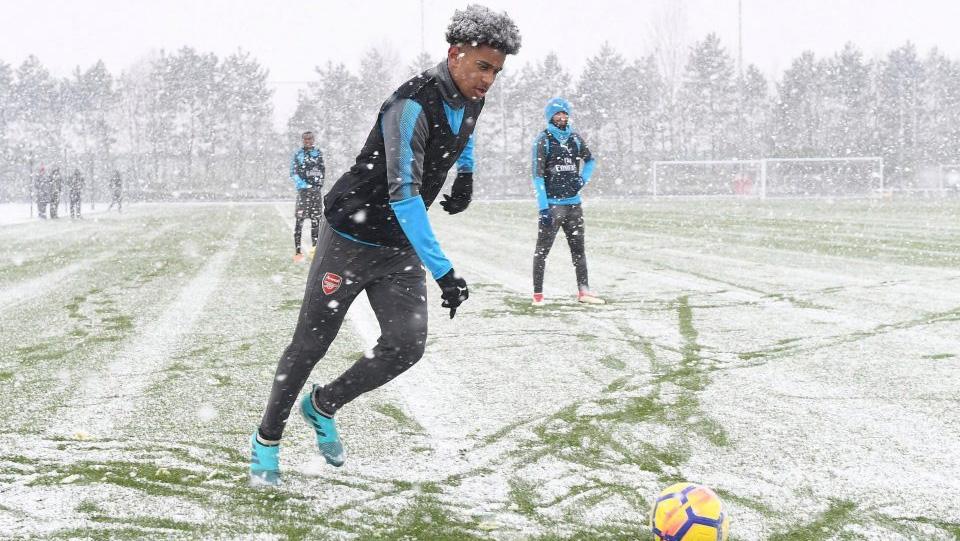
(769, 177)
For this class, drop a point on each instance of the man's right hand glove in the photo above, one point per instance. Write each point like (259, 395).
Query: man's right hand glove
(546, 219)
(460, 194)
(453, 290)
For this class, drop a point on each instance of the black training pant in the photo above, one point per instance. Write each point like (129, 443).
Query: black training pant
(570, 218)
(309, 205)
(396, 287)
(75, 206)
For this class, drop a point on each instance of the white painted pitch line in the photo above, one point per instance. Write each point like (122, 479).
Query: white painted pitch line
(41, 285)
(109, 397)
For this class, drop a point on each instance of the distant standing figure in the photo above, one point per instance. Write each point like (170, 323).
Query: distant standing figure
(56, 185)
(116, 191)
(41, 187)
(307, 172)
(76, 190)
(558, 152)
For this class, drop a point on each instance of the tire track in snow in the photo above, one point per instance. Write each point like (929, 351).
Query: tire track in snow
(108, 398)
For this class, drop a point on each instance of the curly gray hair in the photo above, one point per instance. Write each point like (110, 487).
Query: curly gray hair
(478, 25)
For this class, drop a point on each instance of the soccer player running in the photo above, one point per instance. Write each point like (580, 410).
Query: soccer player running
(307, 172)
(558, 152)
(377, 235)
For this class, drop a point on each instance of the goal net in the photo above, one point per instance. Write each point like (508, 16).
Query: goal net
(706, 178)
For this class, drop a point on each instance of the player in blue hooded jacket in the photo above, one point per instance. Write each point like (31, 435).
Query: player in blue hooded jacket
(558, 153)
(377, 237)
(307, 172)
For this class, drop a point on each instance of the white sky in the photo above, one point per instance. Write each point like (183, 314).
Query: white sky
(290, 38)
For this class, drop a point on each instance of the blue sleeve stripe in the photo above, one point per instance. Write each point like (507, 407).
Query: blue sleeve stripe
(588, 168)
(298, 182)
(465, 161)
(540, 187)
(536, 143)
(408, 120)
(354, 239)
(412, 215)
(454, 117)
(539, 184)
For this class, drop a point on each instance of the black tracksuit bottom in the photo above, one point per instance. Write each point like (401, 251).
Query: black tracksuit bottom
(570, 218)
(309, 205)
(395, 284)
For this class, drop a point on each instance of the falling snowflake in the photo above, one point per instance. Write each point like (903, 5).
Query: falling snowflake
(206, 413)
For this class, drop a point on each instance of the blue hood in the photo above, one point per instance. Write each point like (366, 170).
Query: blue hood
(554, 106)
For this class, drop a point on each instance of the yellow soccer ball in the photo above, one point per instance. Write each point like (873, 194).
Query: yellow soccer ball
(689, 512)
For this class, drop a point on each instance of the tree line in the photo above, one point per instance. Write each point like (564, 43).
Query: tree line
(191, 124)
(184, 123)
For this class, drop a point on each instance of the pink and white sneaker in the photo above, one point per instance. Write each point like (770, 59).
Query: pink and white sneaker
(538, 299)
(587, 297)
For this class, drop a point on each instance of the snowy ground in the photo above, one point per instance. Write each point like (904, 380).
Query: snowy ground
(17, 213)
(802, 358)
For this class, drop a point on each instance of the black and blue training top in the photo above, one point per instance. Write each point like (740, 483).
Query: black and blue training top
(557, 158)
(422, 130)
(307, 168)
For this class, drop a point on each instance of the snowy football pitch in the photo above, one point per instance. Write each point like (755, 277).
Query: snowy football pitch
(802, 358)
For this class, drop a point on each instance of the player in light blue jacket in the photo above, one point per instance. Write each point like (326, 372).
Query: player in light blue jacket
(307, 172)
(558, 153)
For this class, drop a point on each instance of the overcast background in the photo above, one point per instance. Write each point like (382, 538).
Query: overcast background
(290, 38)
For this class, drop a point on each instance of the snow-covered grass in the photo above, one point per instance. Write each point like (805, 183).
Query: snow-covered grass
(16, 213)
(802, 358)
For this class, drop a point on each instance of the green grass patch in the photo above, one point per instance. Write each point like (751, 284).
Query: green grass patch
(939, 356)
(399, 416)
(828, 523)
(523, 495)
(743, 501)
(617, 385)
(426, 518)
(290, 304)
(177, 366)
(89, 507)
(625, 532)
(118, 323)
(44, 351)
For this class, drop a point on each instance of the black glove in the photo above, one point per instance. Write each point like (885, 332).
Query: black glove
(546, 219)
(453, 290)
(460, 194)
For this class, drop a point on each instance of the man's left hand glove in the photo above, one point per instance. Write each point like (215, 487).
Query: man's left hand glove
(460, 194)
(453, 291)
